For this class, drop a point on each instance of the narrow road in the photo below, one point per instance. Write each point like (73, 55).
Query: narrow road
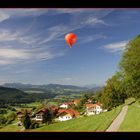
(119, 119)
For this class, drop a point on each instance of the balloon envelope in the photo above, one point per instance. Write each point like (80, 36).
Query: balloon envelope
(70, 39)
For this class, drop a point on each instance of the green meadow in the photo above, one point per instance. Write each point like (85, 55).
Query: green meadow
(132, 119)
(86, 123)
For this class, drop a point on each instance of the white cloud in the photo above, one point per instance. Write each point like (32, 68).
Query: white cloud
(116, 47)
(5, 62)
(6, 35)
(14, 54)
(93, 21)
(3, 16)
(23, 12)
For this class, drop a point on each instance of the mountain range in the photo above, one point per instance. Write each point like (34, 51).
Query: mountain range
(54, 88)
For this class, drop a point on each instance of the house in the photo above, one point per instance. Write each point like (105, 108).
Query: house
(66, 105)
(92, 109)
(39, 115)
(21, 113)
(67, 114)
(76, 102)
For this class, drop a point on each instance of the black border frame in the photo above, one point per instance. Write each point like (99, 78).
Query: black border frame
(69, 4)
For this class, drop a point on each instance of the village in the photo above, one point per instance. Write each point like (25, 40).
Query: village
(63, 112)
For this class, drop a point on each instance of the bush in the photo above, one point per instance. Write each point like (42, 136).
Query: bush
(11, 117)
(34, 125)
(3, 120)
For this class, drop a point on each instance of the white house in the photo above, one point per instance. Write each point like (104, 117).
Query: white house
(98, 109)
(92, 109)
(66, 105)
(39, 115)
(65, 117)
(67, 114)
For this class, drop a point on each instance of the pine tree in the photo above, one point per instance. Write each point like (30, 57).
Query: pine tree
(26, 120)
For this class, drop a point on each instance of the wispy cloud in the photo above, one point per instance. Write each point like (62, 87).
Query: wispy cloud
(3, 16)
(38, 44)
(91, 38)
(13, 53)
(115, 47)
(93, 21)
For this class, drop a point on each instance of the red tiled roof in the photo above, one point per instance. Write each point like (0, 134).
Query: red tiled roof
(72, 112)
(76, 113)
(44, 110)
(90, 105)
(93, 105)
(67, 103)
(76, 101)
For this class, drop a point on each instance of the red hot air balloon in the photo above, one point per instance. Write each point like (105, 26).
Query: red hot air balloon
(70, 39)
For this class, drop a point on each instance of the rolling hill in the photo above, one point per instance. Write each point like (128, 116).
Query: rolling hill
(12, 95)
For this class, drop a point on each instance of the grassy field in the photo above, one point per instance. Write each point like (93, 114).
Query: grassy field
(132, 118)
(92, 123)
(33, 104)
(129, 101)
(11, 127)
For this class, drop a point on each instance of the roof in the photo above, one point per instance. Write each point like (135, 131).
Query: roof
(44, 110)
(76, 101)
(72, 112)
(93, 105)
(19, 112)
(90, 105)
(54, 108)
(22, 112)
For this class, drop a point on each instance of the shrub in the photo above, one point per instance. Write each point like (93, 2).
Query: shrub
(34, 125)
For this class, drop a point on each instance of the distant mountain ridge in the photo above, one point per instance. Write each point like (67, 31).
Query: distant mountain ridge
(20, 85)
(49, 87)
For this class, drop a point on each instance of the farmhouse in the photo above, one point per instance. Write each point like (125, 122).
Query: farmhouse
(92, 109)
(67, 114)
(39, 114)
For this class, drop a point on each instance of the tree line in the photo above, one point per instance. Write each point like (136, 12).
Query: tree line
(125, 82)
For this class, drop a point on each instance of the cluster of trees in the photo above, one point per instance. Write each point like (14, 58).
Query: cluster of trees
(126, 82)
(4, 120)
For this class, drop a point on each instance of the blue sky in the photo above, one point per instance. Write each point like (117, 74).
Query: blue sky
(33, 49)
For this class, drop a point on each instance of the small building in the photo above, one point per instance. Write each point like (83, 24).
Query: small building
(21, 113)
(67, 114)
(39, 114)
(92, 109)
(66, 105)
